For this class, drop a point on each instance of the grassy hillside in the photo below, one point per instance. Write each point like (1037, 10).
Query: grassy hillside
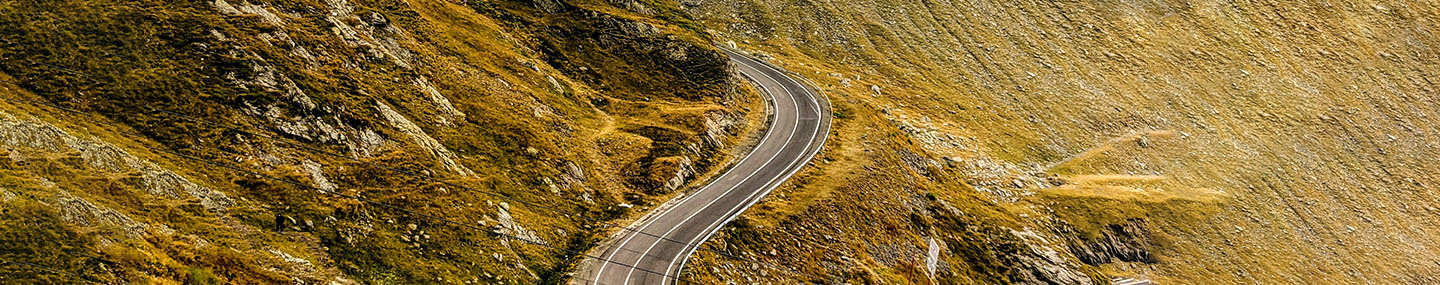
(348, 141)
(1185, 141)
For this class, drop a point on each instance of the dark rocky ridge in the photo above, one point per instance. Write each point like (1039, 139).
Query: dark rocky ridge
(1126, 242)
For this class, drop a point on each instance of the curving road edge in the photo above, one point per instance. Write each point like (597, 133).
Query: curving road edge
(656, 250)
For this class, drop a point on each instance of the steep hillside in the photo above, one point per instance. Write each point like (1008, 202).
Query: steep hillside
(366, 141)
(1042, 141)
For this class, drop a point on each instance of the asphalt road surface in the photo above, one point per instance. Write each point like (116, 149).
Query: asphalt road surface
(798, 124)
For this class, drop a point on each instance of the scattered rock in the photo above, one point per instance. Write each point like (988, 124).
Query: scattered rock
(317, 176)
(39, 136)
(447, 111)
(442, 154)
(508, 226)
(84, 213)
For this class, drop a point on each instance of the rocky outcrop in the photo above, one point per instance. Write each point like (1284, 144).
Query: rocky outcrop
(317, 175)
(1126, 242)
(299, 118)
(550, 6)
(246, 8)
(617, 31)
(633, 6)
(39, 136)
(637, 59)
(82, 212)
(718, 126)
(506, 225)
(665, 174)
(1044, 264)
(375, 35)
(437, 150)
(572, 175)
(682, 170)
(447, 111)
(269, 79)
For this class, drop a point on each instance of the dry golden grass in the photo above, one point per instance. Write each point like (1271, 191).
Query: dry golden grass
(1283, 141)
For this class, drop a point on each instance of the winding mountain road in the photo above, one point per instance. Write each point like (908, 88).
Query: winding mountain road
(799, 123)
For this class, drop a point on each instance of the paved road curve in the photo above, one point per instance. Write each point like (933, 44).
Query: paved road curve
(797, 129)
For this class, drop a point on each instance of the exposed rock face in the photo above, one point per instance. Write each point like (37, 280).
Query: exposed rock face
(1128, 242)
(269, 79)
(447, 111)
(507, 225)
(40, 136)
(32, 134)
(161, 181)
(442, 154)
(550, 6)
(665, 174)
(317, 175)
(674, 67)
(1044, 263)
(719, 125)
(82, 212)
(301, 121)
(375, 35)
(670, 172)
(555, 85)
(634, 6)
(572, 175)
(683, 170)
(245, 7)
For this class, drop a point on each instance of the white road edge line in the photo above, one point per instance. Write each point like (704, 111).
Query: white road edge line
(637, 231)
(829, 124)
(767, 185)
(732, 188)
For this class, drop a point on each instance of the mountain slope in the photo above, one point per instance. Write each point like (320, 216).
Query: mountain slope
(348, 141)
(1194, 141)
